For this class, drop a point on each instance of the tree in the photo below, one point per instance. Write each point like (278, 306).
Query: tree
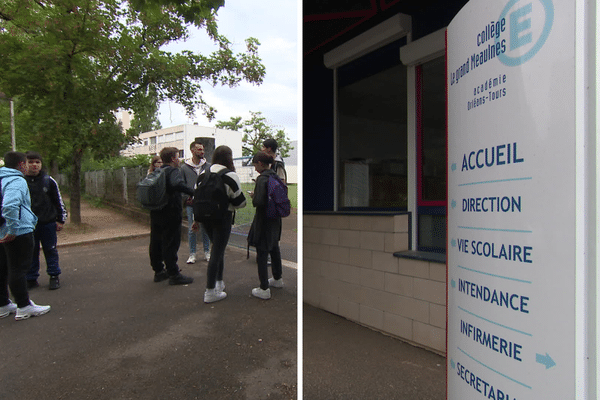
(27, 126)
(255, 131)
(78, 61)
(145, 115)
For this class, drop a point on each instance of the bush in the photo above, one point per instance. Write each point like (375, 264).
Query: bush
(116, 163)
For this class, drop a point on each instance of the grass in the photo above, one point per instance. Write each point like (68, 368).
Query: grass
(246, 214)
(243, 216)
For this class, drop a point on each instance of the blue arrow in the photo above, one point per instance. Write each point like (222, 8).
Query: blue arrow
(545, 360)
(452, 364)
(453, 167)
(453, 242)
(453, 283)
(453, 204)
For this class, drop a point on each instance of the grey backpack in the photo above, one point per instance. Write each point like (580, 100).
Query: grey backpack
(152, 190)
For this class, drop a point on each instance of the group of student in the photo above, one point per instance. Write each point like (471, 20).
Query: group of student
(32, 212)
(181, 182)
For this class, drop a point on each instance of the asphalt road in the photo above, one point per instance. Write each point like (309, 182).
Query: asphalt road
(113, 333)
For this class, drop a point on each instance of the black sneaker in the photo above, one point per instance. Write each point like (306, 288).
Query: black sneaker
(32, 284)
(54, 283)
(180, 280)
(161, 276)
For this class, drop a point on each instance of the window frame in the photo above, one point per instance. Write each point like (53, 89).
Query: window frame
(414, 55)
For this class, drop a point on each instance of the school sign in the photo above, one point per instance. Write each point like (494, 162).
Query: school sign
(518, 279)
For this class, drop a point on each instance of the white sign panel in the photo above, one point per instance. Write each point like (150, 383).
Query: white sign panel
(511, 195)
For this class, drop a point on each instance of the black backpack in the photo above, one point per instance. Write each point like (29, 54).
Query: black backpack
(211, 201)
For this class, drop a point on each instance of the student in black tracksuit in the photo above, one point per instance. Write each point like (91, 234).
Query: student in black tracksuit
(165, 224)
(265, 233)
(47, 204)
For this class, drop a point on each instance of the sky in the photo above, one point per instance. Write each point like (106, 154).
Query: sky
(275, 25)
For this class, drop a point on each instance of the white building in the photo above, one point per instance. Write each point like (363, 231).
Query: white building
(181, 136)
(124, 117)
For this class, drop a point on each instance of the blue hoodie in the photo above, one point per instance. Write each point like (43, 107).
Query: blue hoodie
(16, 204)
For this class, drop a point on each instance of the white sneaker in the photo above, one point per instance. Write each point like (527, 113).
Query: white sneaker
(211, 295)
(261, 294)
(207, 256)
(278, 283)
(8, 309)
(32, 310)
(192, 259)
(220, 286)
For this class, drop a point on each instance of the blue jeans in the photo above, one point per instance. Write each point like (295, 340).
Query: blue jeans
(46, 235)
(189, 210)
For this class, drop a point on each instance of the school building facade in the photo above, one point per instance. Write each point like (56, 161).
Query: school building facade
(181, 136)
(374, 167)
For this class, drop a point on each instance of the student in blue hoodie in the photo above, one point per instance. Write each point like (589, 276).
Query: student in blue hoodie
(16, 239)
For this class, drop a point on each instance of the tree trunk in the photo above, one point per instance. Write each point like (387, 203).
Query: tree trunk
(54, 168)
(76, 187)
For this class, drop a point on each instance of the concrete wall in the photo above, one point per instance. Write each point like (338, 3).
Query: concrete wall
(350, 270)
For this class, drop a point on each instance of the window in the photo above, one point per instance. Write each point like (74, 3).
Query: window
(372, 128)
(431, 155)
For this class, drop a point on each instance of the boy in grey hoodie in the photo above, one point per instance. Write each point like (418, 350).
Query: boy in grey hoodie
(190, 171)
(16, 239)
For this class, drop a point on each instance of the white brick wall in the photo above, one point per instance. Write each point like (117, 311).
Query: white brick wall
(350, 270)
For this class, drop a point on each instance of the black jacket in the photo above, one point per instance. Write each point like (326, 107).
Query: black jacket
(175, 186)
(46, 202)
(264, 232)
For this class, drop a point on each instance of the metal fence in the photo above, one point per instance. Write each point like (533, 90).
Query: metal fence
(116, 186)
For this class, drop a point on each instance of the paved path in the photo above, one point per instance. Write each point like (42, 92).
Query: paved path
(346, 361)
(101, 224)
(113, 333)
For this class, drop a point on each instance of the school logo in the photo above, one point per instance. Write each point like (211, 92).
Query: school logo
(529, 25)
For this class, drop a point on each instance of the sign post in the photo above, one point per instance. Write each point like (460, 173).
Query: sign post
(512, 202)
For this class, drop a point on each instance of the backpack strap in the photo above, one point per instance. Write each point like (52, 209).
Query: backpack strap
(207, 172)
(224, 171)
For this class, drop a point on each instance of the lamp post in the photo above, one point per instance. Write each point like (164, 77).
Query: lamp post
(12, 125)
(12, 120)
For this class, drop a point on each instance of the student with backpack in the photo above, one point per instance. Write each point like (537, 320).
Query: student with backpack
(218, 194)
(271, 202)
(165, 221)
(270, 147)
(47, 204)
(16, 239)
